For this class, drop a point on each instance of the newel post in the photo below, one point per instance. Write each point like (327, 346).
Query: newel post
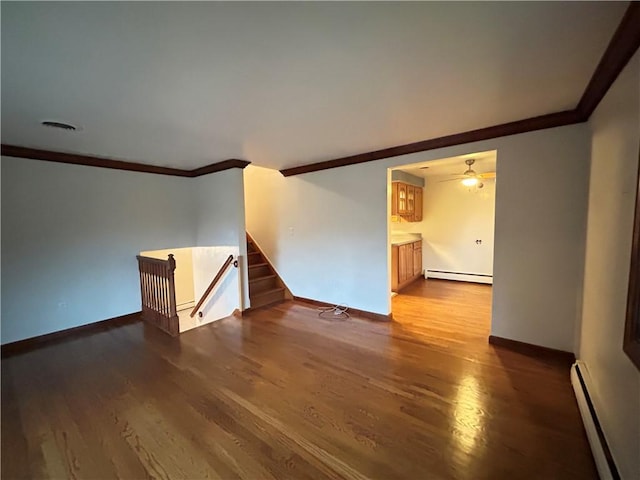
(172, 286)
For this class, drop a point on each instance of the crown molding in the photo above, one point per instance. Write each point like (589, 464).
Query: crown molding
(621, 48)
(76, 159)
(551, 120)
(218, 167)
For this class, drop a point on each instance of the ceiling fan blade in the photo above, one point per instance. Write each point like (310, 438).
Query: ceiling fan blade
(451, 180)
(487, 175)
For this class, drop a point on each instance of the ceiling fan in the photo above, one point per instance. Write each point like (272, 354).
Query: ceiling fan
(469, 178)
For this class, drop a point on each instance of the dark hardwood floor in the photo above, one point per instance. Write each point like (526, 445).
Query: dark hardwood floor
(282, 393)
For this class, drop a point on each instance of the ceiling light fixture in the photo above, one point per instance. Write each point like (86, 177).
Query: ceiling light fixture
(469, 182)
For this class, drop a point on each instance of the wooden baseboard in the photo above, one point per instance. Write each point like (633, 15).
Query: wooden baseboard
(241, 313)
(530, 350)
(352, 311)
(28, 344)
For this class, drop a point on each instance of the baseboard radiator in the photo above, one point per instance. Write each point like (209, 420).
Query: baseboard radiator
(601, 454)
(459, 276)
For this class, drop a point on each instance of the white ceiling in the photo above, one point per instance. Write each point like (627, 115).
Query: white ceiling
(444, 167)
(285, 84)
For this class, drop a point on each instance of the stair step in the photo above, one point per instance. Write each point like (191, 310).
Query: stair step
(256, 265)
(259, 270)
(255, 258)
(261, 277)
(261, 284)
(267, 297)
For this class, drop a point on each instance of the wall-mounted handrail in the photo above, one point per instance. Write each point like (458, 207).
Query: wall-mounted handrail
(212, 285)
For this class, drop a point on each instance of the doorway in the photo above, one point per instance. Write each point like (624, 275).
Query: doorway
(448, 223)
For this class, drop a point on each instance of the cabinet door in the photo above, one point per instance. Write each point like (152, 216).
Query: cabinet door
(411, 201)
(394, 268)
(409, 257)
(417, 211)
(403, 273)
(394, 198)
(417, 259)
(402, 198)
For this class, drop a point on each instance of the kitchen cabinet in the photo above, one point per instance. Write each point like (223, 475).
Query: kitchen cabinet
(402, 198)
(417, 259)
(417, 211)
(411, 197)
(406, 264)
(406, 201)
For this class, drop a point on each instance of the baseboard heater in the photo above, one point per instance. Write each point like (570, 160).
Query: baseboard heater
(459, 276)
(601, 454)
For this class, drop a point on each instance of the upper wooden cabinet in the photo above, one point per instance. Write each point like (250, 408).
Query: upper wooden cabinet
(402, 198)
(406, 201)
(417, 211)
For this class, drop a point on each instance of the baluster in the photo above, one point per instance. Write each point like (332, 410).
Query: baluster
(143, 269)
(163, 295)
(156, 289)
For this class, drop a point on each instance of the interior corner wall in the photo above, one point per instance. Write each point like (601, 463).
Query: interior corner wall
(327, 231)
(70, 236)
(614, 380)
(220, 216)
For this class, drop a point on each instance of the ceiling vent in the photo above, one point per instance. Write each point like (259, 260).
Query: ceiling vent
(60, 125)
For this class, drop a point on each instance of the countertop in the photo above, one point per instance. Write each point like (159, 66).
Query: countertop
(403, 239)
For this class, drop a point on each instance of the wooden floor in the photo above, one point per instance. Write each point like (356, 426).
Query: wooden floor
(285, 394)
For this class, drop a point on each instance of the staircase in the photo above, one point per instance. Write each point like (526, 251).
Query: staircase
(265, 286)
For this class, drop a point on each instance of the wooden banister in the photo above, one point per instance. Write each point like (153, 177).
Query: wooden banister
(212, 285)
(158, 292)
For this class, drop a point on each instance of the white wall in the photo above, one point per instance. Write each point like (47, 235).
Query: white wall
(615, 381)
(70, 236)
(220, 216)
(226, 296)
(454, 217)
(323, 232)
(327, 232)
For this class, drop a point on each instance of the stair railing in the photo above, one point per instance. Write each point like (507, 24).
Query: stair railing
(213, 283)
(158, 293)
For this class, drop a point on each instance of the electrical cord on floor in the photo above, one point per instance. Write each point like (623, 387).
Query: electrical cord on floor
(337, 311)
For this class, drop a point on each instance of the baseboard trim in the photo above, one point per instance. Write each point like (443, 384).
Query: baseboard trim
(28, 344)
(531, 350)
(459, 276)
(379, 317)
(599, 447)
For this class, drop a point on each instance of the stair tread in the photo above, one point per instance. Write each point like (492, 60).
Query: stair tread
(258, 265)
(268, 304)
(265, 292)
(257, 279)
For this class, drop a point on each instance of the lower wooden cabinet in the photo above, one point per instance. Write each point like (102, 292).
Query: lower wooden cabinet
(406, 264)
(417, 259)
